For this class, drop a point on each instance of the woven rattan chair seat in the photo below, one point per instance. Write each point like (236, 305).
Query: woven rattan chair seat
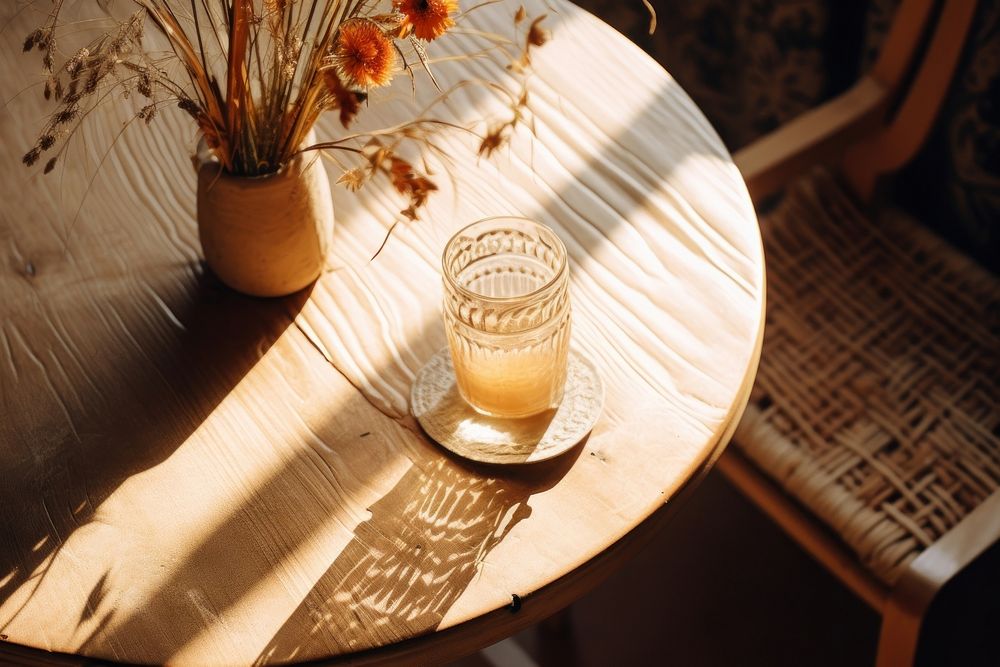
(877, 403)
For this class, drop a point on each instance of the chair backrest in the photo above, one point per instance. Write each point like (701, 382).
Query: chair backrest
(879, 124)
(905, 130)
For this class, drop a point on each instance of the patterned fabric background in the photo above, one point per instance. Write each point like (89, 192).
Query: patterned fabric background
(752, 65)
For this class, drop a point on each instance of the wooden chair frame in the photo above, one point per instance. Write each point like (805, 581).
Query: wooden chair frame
(874, 128)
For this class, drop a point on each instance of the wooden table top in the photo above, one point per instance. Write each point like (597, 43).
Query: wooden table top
(193, 476)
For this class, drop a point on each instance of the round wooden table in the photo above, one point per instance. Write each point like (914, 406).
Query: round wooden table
(193, 476)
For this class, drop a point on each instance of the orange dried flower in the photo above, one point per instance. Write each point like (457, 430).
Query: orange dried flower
(429, 18)
(364, 55)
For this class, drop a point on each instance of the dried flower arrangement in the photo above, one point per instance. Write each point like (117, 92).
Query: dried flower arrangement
(255, 75)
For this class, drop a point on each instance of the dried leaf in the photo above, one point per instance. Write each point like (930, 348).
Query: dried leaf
(407, 181)
(353, 179)
(493, 140)
(537, 35)
(348, 101)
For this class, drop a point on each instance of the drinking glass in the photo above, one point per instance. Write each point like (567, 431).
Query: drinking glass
(507, 315)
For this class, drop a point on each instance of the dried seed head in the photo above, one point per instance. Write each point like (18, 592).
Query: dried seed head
(33, 38)
(49, 166)
(46, 141)
(74, 64)
(128, 36)
(190, 106)
(31, 157)
(147, 113)
(92, 80)
(46, 40)
(138, 25)
(66, 115)
(144, 84)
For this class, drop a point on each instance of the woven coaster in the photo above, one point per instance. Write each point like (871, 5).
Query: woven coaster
(452, 423)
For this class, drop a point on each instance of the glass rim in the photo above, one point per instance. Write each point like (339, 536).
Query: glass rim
(550, 284)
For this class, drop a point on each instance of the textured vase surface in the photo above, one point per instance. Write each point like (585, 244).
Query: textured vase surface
(266, 235)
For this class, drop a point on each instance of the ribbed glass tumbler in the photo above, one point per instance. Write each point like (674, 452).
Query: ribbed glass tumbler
(507, 315)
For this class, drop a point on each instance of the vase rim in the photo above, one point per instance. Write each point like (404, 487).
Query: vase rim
(297, 157)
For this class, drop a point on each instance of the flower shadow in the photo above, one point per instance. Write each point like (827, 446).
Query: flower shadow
(410, 562)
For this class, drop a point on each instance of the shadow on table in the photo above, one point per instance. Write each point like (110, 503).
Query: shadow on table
(140, 408)
(401, 571)
(410, 562)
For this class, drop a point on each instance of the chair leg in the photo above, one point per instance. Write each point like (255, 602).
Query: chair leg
(897, 642)
(947, 598)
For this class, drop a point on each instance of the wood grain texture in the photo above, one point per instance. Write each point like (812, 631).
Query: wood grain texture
(192, 476)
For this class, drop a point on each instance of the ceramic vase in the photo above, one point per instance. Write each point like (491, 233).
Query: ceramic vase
(266, 235)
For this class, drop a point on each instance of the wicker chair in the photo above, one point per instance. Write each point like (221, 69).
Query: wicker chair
(873, 432)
